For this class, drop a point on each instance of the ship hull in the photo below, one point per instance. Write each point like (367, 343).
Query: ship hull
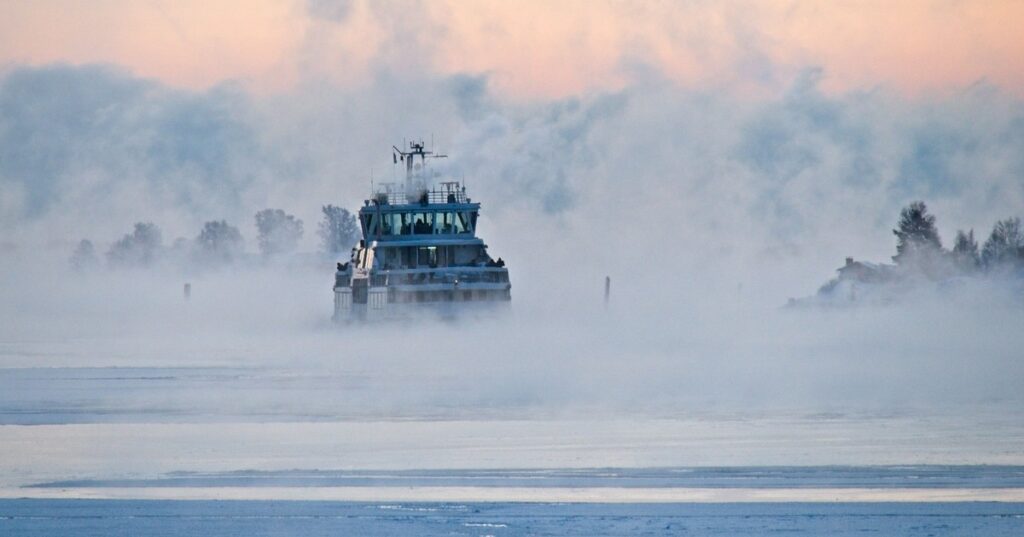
(419, 302)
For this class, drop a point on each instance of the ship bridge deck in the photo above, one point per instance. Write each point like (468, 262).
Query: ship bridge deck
(445, 192)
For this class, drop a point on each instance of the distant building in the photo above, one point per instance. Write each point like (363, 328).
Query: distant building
(862, 272)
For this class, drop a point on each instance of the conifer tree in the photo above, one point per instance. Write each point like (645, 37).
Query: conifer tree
(916, 234)
(1005, 245)
(965, 251)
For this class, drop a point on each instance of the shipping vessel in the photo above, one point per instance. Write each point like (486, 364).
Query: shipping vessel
(420, 251)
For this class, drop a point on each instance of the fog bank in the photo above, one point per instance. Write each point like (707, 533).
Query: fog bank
(707, 210)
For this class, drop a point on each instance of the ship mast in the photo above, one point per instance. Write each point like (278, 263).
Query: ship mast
(415, 181)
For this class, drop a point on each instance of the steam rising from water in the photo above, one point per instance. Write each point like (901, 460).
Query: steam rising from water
(707, 211)
(557, 352)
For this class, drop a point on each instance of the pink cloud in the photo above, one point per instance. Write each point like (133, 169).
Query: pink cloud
(533, 49)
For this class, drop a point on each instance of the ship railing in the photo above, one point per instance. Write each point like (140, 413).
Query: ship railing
(449, 275)
(397, 195)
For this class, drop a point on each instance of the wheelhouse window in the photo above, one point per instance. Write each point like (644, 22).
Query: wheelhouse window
(423, 223)
(371, 225)
(453, 223)
(399, 224)
(419, 223)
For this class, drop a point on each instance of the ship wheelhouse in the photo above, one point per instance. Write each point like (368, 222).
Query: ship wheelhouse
(419, 247)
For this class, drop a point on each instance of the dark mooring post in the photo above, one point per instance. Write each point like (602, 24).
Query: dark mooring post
(607, 289)
(188, 291)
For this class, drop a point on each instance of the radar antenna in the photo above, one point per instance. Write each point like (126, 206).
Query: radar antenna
(416, 149)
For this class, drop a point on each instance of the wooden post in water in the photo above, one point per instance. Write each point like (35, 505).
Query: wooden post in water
(607, 289)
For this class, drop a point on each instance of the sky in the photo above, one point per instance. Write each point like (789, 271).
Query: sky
(533, 50)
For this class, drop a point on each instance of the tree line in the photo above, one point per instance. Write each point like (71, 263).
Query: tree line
(219, 242)
(919, 247)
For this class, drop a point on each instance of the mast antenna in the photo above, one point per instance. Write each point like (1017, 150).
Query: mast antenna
(415, 149)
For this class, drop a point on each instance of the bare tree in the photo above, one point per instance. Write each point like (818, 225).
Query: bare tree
(279, 232)
(338, 230)
(84, 257)
(139, 248)
(220, 242)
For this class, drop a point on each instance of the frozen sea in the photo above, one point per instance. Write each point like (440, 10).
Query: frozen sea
(307, 518)
(276, 451)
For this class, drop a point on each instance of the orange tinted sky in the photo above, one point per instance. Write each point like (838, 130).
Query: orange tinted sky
(532, 49)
